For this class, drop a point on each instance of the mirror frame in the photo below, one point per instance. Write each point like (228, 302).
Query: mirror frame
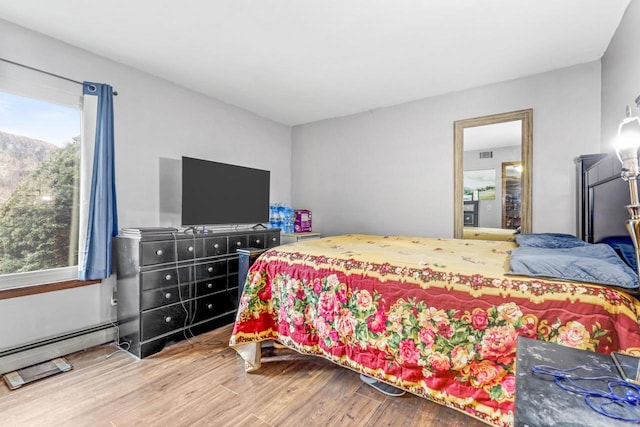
(525, 157)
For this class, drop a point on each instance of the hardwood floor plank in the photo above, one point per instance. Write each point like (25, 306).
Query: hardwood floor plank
(334, 402)
(202, 382)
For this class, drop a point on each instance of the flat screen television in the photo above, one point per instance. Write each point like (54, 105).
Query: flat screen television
(218, 193)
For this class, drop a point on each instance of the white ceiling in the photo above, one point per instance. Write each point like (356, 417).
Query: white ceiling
(297, 61)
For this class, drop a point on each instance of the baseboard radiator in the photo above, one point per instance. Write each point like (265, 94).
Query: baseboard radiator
(58, 346)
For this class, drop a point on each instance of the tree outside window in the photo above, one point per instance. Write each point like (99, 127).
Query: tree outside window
(39, 184)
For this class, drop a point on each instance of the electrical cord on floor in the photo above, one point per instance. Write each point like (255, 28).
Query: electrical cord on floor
(119, 344)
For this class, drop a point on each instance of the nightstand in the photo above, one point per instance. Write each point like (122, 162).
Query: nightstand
(296, 237)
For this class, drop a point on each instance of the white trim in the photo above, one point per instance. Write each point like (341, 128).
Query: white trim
(88, 136)
(17, 280)
(50, 349)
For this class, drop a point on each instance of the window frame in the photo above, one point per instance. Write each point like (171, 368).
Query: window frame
(45, 88)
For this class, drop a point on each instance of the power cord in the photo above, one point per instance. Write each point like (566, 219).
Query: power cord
(119, 344)
(619, 400)
(193, 303)
(182, 301)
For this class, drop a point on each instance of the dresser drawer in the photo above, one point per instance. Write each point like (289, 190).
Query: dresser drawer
(257, 240)
(232, 281)
(238, 242)
(189, 249)
(211, 269)
(215, 305)
(273, 239)
(157, 252)
(233, 265)
(163, 278)
(215, 284)
(164, 296)
(162, 320)
(214, 246)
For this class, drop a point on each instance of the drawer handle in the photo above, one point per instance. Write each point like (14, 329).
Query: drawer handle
(210, 269)
(168, 277)
(209, 306)
(238, 244)
(167, 295)
(210, 285)
(257, 240)
(216, 246)
(190, 248)
(273, 239)
(168, 319)
(159, 252)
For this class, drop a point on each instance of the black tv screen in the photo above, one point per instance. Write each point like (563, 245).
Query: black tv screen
(218, 193)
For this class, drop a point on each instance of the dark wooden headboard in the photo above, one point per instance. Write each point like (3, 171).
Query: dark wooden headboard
(602, 197)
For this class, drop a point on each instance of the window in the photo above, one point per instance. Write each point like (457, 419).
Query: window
(39, 188)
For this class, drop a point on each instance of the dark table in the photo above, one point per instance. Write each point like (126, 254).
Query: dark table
(541, 402)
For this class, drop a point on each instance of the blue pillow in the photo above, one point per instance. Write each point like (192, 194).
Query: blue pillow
(549, 240)
(588, 263)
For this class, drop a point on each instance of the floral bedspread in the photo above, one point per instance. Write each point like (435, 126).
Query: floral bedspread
(436, 317)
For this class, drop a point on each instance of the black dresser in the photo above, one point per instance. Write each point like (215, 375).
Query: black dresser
(173, 285)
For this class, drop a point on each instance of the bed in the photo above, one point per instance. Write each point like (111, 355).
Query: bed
(485, 233)
(439, 318)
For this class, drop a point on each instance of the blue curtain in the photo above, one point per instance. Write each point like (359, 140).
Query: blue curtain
(102, 216)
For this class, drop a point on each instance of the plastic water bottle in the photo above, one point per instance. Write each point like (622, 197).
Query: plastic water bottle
(289, 214)
(281, 216)
(273, 216)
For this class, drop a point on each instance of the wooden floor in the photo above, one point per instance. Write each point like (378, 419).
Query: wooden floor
(203, 383)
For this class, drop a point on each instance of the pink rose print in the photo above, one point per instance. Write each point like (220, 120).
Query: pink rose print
(378, 322)
(427, 336)
(445, 330)
(485, 373)
(364, 300)
(439, 362)
(327, 305)
(346, 323)
(574, 334)
(509, 384)
(499, 344)
(408, 351)
(480, 320)
(317, 285)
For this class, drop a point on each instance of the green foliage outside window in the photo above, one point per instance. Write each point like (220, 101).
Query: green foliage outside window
(39, 220)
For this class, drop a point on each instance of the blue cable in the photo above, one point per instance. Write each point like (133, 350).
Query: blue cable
(620, 400)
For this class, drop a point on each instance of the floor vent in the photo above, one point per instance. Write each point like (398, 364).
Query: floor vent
(17, 379)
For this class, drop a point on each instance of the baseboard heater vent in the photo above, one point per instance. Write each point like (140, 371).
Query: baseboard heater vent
(55, 347)
(17, 379)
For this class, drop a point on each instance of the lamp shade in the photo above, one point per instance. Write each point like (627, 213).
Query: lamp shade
(627, 144)
(628, 134)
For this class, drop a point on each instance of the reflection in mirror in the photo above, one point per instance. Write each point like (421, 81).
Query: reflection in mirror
(511, 195)
(492, 176)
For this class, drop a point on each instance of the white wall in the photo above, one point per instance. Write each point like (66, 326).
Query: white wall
(621, 75)
(154, 119)
(389, 171)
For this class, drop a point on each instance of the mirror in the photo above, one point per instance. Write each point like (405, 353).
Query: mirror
(492, 175)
